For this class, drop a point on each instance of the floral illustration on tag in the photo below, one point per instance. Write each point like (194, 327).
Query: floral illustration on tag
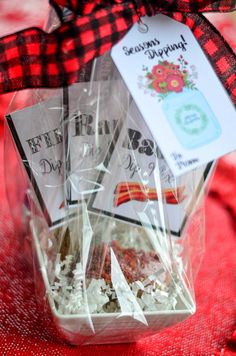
(185, 107)
(167, 77)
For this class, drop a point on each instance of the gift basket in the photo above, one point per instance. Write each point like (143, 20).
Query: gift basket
(116, 239)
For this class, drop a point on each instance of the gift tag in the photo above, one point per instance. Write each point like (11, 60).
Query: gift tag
(130, 187)
(177, 92)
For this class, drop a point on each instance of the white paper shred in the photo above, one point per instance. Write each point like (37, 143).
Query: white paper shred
(97, 298)
(158, 291)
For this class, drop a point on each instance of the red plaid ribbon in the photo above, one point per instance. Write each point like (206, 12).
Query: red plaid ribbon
(32, 58)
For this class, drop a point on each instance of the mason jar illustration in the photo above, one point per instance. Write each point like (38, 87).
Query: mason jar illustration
(191, 118)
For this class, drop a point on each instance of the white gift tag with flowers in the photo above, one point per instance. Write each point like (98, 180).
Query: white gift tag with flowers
(178, 93)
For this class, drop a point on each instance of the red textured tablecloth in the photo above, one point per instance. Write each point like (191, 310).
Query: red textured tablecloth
(209, 332)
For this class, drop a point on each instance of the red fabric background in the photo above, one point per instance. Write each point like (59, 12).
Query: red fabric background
(208, 332)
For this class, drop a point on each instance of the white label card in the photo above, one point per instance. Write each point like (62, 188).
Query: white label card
(130, 184)
(37, 133)
(177, 92)
(93, 121)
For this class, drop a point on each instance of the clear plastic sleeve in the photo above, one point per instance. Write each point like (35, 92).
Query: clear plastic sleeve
(116, 239)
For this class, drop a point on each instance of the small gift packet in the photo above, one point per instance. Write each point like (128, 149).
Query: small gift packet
(130, 181)
(37, 133)
(95, 116)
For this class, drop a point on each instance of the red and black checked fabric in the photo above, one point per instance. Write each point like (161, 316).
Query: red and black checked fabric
(83, 7)
(33, 58)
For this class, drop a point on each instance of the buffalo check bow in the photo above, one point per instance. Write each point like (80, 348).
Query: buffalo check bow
(33, 58)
